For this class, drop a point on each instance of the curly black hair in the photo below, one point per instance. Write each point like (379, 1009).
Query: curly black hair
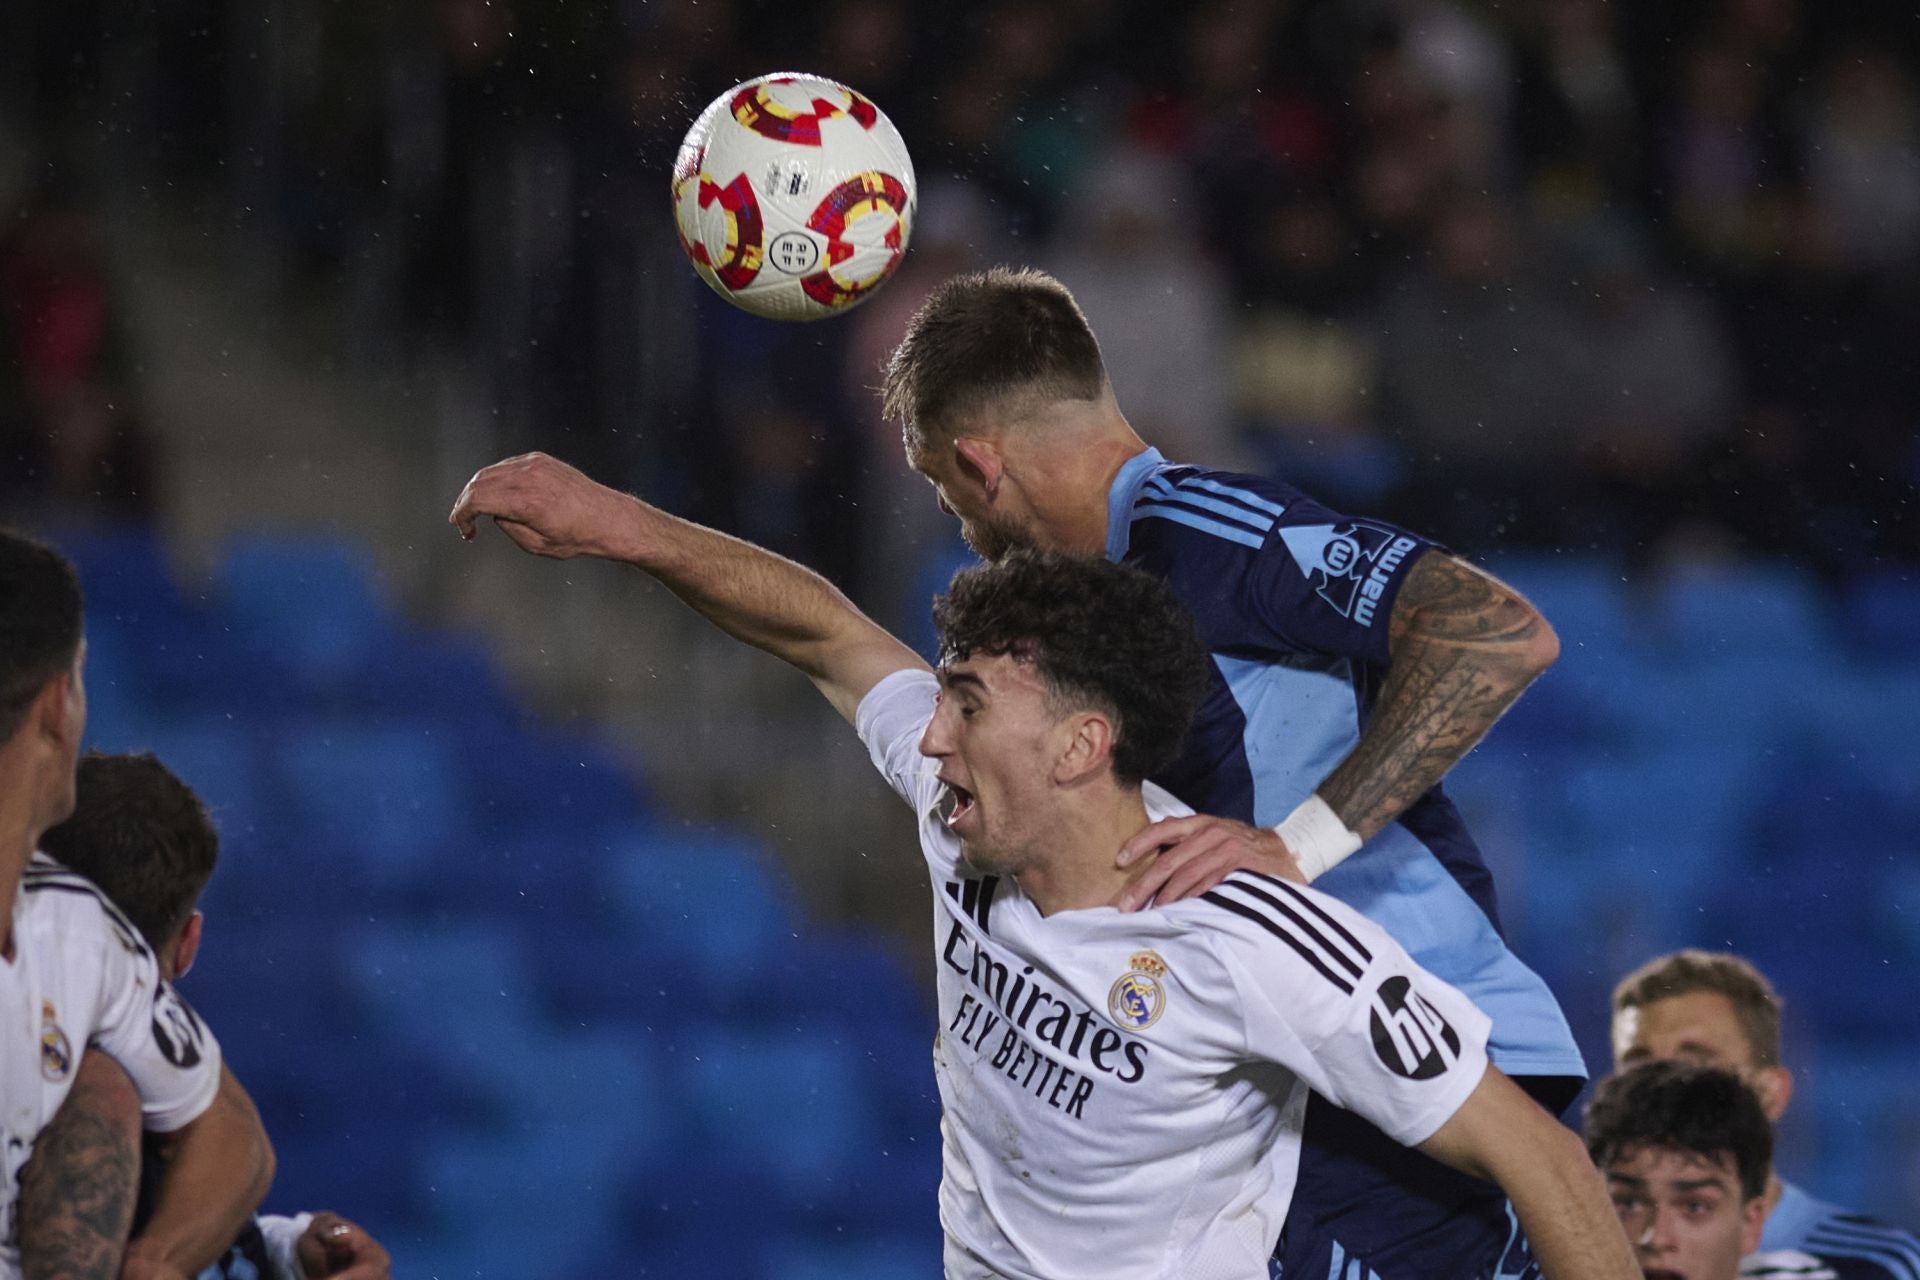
(1102, 635)
(1702, 1111)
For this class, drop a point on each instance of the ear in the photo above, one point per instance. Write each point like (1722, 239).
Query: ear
(58, 712)
(1753, 1222)
(1088, 749)
(982, 461)
(1775, 1087)
(186, 947)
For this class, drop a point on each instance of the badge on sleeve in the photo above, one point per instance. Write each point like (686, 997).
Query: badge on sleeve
(1348, 565)
(56, 1054)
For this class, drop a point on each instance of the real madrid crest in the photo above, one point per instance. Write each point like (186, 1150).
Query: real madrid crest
(1138, 999)
(56, 1055)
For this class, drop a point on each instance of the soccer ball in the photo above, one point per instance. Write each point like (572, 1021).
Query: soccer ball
(794, 196)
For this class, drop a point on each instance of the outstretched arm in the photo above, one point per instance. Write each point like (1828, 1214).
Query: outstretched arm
(77, 1191)
(1462, 647)
(771, 603)
(1503, 1136)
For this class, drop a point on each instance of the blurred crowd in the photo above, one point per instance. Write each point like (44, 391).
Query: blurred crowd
(1628, 277)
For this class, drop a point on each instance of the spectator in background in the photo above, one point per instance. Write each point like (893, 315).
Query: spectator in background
(1130, 251)
(72, 446)
(1715, 1009)
(1686, 1153)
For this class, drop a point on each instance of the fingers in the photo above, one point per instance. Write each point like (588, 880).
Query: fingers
(1167, 831)
(1195, 854)
(342, 1250)
(1205, 869)
(490, 491)
(1141, 891)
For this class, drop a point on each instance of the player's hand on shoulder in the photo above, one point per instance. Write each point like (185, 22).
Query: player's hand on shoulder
(1191, 855)
(544, 505)
(332, 1248)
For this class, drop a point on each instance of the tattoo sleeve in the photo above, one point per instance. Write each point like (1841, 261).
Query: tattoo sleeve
(77, 1191)
(1463, 647)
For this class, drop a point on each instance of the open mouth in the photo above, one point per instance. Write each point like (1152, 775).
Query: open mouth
(1663, 1275)
(959, 803)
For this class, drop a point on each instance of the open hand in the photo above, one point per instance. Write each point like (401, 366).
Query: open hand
(1195, 853)
(544, 505)
(331, 1248)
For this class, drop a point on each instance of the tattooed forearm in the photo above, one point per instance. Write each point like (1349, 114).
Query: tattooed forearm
(1463, 648)
(77, 1190)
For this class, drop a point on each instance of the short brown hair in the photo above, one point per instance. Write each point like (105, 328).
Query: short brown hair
(142, 836)
(1686, 972)
(982, 336)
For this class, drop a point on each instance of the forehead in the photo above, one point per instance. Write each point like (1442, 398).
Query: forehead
(1705, 1019)
(1660, 1167)
(999, 674)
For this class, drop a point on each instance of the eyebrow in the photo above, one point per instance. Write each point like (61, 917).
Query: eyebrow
(958, 679)
(1695, 1184)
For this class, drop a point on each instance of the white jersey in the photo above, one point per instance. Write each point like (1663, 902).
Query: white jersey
(80, 975)
(1122, 1094)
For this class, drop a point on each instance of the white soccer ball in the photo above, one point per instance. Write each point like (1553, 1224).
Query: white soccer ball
(794, 196)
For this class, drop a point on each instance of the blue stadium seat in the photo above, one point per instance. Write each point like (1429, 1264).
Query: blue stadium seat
(387, 798)
(1882, 616)
(909, 1258)
(454, 990)
(793, 1104)
(1588, 600)
(125, 571)
(709, 899)
(1759, 613)
(307, 603)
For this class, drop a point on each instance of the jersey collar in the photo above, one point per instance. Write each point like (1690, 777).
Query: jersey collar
(1121, 497)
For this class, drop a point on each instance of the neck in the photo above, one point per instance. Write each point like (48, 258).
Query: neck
(20, 831)
(1078, 870)
(1073, 478)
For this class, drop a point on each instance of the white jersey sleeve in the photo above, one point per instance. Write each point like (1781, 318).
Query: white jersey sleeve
(890, 721)
(1328, 994)
(282, 1237)
(144, 1025)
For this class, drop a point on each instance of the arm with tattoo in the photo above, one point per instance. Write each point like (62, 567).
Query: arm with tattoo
(1463, 647)
(77, 1191)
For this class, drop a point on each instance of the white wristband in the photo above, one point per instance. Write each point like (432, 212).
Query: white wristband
(1316, 837)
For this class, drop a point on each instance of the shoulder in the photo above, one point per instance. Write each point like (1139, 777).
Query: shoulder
(1272, 925)
(1840, 1236)
(83, 912)
(1183, 513)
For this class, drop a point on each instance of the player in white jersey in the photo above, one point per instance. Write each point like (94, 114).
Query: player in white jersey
(1122, 1094)
(75, 973)
(144, 839)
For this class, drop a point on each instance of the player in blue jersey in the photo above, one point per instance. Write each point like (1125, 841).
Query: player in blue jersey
(1353, 664)
(1714, 1008)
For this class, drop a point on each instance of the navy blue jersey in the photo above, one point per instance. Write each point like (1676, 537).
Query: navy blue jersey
(1292, 600)
(1853, 1246)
